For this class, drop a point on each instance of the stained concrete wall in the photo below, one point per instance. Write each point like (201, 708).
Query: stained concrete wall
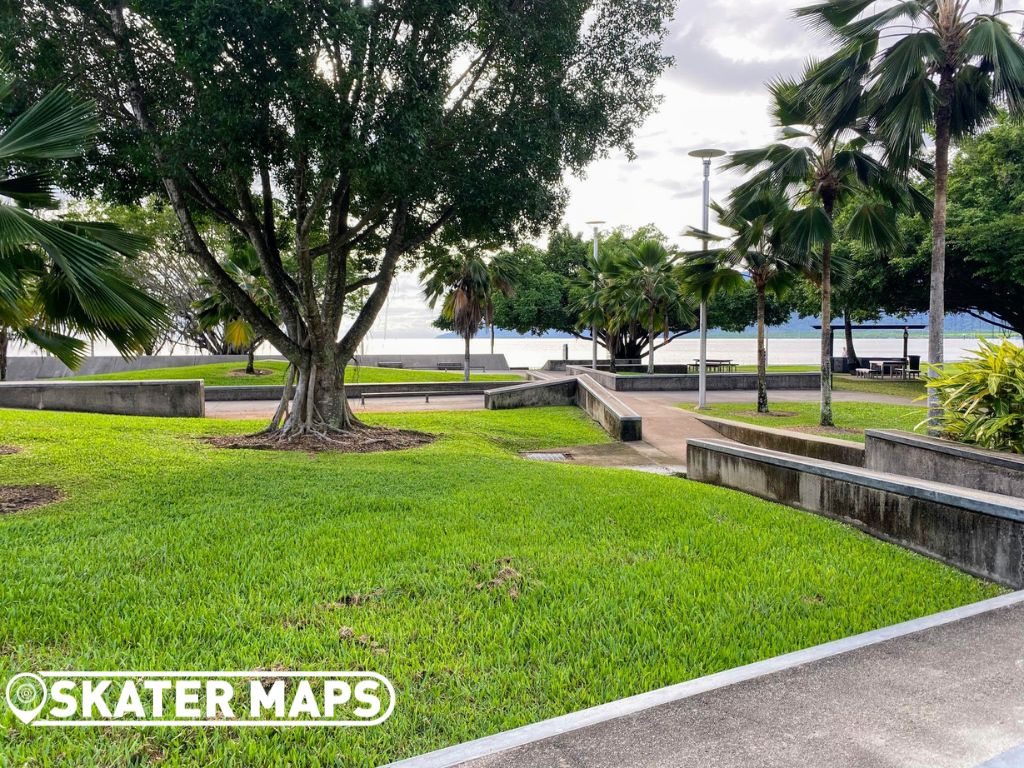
(614, 416)
(980, 533)
(274, 392)
(717, 382)
(135, 398)
(810, 446)
(33, 368)
(930, 458)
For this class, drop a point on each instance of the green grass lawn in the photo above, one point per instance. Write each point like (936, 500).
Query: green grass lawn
(233, 374)
(781, 369)
(168, 554)
(851, 418)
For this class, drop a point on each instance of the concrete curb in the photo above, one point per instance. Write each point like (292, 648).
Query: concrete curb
(546, 729)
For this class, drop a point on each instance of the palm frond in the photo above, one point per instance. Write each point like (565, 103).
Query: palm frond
(57, 126)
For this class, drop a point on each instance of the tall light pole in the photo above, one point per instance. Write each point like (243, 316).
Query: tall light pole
(597, 252)
(707, 155)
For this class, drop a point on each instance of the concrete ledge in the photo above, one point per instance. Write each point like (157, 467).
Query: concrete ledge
(461, 754)
(272, 392)
(931, 458)
(717, 382)
(614, 416)
(978, 532)
(810, 446)
(130, 398)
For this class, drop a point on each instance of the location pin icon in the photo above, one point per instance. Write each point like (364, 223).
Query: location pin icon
(26, 695)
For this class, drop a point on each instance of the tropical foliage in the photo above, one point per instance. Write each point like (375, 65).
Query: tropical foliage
(982, 399)
(817, 168)
(916, 70)
(61, 279)
(757, 249)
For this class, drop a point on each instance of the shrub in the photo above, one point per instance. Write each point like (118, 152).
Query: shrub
(983, 398)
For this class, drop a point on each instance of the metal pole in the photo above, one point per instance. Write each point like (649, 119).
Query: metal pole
(593, 328)
(702, 399)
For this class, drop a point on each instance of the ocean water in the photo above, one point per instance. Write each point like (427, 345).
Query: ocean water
(533, 353)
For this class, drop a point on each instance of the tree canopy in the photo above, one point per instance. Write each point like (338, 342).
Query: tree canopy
(376, 125)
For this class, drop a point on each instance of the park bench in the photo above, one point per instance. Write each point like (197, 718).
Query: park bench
(391, 364)
(458, 367)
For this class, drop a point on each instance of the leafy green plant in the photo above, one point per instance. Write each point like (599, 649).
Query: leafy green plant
(983, 398)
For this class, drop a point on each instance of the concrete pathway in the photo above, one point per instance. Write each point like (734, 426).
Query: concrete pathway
(942, 692)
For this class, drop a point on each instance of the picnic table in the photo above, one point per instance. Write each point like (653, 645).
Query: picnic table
(719, 366)
(886, 368)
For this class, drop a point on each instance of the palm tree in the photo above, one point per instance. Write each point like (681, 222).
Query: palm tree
(215, 310)
(594, 303)
(466, 284)
(503, 274)
(817, 170)
(942, 71)
(649, 289)
(57, 277)
(756, 248)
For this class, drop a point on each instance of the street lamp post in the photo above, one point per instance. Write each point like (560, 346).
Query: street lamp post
(707, 155)
(597, 238)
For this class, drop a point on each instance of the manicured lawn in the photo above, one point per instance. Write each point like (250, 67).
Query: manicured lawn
(908, 389)
(171, 555)
(781, 369)
(233, 374)
(851, 418)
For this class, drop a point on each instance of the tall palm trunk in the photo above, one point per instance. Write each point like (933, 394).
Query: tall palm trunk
(250, 363)
(492, 338)
(937, 300)
(762, 355)
(465, 361)
(851, 353)
(651, 337)
(827, 419)
(4, 341)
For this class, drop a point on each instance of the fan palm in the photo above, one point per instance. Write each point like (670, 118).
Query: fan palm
(59, 278)
(465, 282)
(215, 310)
(649, 290)
(756, 248)
(816, 170)
(594, 305)
(916, 68)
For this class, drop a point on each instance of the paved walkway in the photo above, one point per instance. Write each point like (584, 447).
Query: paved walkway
(949, 696)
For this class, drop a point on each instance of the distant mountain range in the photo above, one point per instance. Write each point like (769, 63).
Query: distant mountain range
(797, 327)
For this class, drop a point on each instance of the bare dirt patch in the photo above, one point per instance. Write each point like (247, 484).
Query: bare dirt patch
(241, 374)
(9, 450)
(17, 498)
(507, 579)
(355, 599)
(348, 634)
(375, 440)
(770, 414)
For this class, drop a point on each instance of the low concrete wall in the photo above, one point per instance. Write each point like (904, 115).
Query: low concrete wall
(614, 416)
(274, 392)
(618, 419)
(132, 398)
(717, 382)
(534, 395)
(981, 533)
(930, 458)
(810, 446)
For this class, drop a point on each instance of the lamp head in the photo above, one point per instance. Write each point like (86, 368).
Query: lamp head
(707, 154)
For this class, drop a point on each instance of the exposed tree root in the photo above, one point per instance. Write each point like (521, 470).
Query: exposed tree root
(323, 439)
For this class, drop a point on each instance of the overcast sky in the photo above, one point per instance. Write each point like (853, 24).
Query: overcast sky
(714, 96)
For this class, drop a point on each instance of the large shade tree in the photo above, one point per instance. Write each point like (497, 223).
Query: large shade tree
(377, 125)
(60, 279)
(919, 69)
(818, 168)
(756, 248)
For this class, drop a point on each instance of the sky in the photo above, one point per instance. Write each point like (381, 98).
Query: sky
(713, 96)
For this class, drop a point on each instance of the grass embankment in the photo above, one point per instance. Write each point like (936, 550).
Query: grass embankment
(271, 372)
(851, 418)
(168, 554)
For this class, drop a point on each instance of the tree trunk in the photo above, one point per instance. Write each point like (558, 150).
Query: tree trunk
(250, 365)
(650, 360)
(465, 362)
(851, 353)
(4, 341)
(318, 404)
(762, 355)
(937, 300)
(492, 338)
(827, 419)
